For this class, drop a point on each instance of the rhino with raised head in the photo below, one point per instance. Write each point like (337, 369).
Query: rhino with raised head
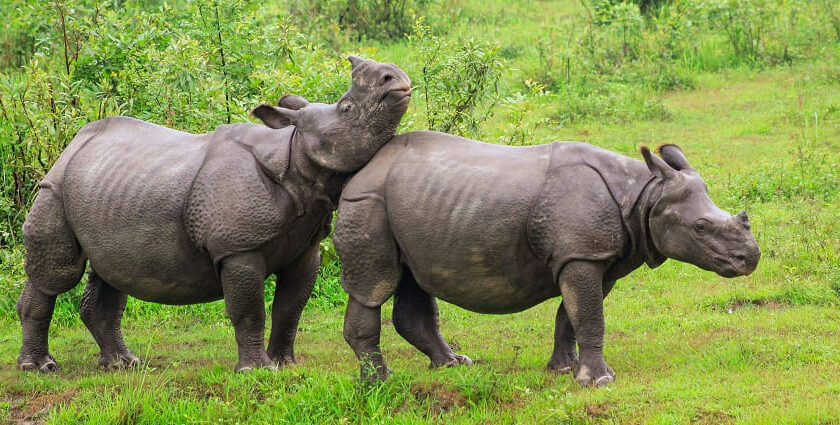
(499, 229)
(179, 218)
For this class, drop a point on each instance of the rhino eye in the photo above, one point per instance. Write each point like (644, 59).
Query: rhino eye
(701, 225)
(346, 107)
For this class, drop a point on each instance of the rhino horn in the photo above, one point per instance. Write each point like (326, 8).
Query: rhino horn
(743, 219)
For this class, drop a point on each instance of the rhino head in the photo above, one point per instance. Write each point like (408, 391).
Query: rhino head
(685, 225)
(344, 136)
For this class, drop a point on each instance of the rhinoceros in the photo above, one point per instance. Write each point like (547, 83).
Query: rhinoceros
(178, 218)
(499, 229)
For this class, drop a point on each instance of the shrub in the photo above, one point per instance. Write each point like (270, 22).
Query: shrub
(458, 80)
(190, 66)
(371, 19)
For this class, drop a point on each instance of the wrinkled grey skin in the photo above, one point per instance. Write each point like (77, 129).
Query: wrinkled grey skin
(178, 218)
(498, 229)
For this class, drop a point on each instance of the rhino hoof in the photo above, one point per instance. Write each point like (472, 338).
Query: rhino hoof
(560, 369)
(263, 363)
(456, 360)
(121, 361)
(603, 381)
(374, 377)
(285, 361)
(46, 365)
(49, 367)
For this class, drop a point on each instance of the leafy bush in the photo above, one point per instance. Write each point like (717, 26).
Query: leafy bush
(372, 19)
(191, 66)
(458, 80)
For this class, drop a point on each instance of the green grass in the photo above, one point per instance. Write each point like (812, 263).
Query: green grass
(687, 345)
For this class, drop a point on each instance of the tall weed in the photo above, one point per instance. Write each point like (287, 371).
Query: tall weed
(458, 80)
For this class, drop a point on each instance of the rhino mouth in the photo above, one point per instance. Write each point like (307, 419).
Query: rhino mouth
(732, 266)
(400, 94)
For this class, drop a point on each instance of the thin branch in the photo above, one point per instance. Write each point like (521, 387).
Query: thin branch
(60, 9)
(224, 63)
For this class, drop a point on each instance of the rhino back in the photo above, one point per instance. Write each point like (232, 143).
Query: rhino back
(124, 191)
(459, 210)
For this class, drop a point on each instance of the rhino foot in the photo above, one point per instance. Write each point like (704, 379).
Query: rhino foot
(284, 361)
(588, 377)
(373, 375)
(123, 360)
(263, 362)
(44, 363)
(455, 360)
(563, 364)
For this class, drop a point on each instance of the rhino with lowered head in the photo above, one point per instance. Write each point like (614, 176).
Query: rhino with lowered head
(499, 229)
(179, 218)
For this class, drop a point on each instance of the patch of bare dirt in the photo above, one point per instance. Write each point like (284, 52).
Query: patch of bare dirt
(769, 304)
(34, 411)
(440, 398)
(597, 411)
(712, 418)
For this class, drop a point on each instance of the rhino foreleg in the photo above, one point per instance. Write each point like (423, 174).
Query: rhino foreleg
(243, 276)
(362, 326)
(294, 286)
(416, 320)
(102, 310)
(582, 290)
(564, 358)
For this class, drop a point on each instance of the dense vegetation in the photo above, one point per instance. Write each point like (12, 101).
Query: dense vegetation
(749, 88)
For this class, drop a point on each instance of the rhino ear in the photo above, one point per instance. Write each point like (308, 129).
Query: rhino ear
(355, 61)
(276, 117)
(657, 166)
(292, 101)
(673, 155)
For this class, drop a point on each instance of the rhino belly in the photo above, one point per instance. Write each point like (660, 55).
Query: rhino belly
(124, 198)
(462, 230)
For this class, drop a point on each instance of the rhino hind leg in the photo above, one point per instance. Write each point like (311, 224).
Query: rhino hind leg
(564, 358)
(54, 265)
(102, 310)
(370, 274)
(294, 286)
(416, 320)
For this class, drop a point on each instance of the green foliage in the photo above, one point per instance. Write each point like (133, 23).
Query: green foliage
(520, 127)
(191, 66)
(458, 80)
(361, 19)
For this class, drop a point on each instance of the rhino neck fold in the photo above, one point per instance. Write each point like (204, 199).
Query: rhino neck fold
(636, 217)
(309, 183)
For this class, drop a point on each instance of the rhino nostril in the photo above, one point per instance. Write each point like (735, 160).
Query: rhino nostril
(387, 77)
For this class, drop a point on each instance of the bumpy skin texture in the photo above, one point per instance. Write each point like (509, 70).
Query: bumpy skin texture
(498, 229)
(179, 218)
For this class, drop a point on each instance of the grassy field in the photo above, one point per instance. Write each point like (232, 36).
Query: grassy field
(687, 345)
